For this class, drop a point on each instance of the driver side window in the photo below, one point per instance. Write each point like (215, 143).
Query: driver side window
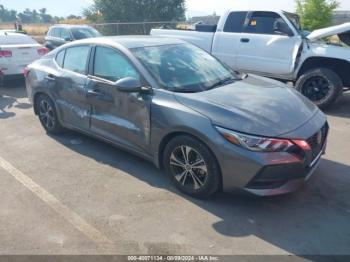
(267, 23)
(109, 64)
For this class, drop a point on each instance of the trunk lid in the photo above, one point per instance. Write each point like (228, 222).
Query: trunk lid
(24, 54)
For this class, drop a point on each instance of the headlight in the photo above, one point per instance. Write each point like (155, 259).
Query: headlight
(255, 143)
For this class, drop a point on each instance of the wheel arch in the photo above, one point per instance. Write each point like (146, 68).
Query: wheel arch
(339, 66)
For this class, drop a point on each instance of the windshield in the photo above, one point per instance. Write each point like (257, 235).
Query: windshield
(184, 67)
(83, 32)
(295, 20)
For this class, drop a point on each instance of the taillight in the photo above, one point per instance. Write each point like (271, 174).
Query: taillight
(26, 72)
(5, 53)
(43, 51)
(302, 144)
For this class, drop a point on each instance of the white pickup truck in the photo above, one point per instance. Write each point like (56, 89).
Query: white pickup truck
(272, 44)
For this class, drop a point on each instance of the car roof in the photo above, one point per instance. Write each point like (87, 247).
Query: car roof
(131, 41)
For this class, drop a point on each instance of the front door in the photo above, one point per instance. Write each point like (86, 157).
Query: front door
(123, 118)
(262, 49)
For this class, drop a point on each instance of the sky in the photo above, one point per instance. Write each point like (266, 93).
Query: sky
(194, 7)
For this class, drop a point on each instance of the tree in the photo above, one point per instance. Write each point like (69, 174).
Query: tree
(7, 15)
(316, 14)
(136, 10)
(44, 17)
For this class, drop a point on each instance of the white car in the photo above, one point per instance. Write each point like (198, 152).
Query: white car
(16, 52)
(271, 43)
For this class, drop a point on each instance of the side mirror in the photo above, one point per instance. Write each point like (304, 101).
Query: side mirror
(129, 85)
(282, 28)
(68, 39)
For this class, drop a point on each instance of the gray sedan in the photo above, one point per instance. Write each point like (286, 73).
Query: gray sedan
(177, 106)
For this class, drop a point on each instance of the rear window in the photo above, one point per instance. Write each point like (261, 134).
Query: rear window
(235, 22)
(60, 58)
(56, 32)
(16, 39)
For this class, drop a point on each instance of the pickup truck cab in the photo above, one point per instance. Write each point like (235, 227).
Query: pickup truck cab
(271, 43)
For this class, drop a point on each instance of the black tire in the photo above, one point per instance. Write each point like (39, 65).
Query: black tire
(196, 183)
(2, 81)
(321, 85)
(48, 46)
(47, 115)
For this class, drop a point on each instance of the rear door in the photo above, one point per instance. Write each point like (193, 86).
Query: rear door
(227, 38)
(263, 50)
(123, 118)
(70, 81)
(56, 39)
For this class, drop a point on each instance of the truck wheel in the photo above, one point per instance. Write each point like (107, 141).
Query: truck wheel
(321, 85)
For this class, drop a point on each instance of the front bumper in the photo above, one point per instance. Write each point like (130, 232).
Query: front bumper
(287, 182)
(268, 174)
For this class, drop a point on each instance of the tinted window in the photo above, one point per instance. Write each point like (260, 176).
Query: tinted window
(111, 65)
(84, 32)
(65, 34)
(76, 59)
(235, 22)
(53, 32)
(264, 23)
(184, 67)
(57, 32)
(60, 57)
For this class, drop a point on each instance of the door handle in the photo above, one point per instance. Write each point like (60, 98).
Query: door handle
(50, 77)
(245, 40)
(94, 93)
(99, 96)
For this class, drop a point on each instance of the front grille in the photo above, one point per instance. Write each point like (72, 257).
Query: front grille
(316, 142)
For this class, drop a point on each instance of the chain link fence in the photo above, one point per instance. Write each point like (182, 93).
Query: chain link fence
(38, 31)
(137, 28)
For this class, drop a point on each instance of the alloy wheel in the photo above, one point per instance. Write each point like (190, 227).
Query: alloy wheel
(47, 115)
(188, 167)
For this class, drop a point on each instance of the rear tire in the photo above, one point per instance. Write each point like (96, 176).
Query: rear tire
(321, 85)
(2, 80)
(47, 115)
(192, 167)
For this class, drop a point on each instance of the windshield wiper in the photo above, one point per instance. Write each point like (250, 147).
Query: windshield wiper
(223, 82)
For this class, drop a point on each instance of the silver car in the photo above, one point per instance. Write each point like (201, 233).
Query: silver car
(179, 107)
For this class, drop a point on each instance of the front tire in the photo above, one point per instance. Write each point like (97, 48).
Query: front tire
(321, 85)
(47, 115)
(192, 167)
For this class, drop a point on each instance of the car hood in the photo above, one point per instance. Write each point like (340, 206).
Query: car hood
(330, 31)
(255, 105)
